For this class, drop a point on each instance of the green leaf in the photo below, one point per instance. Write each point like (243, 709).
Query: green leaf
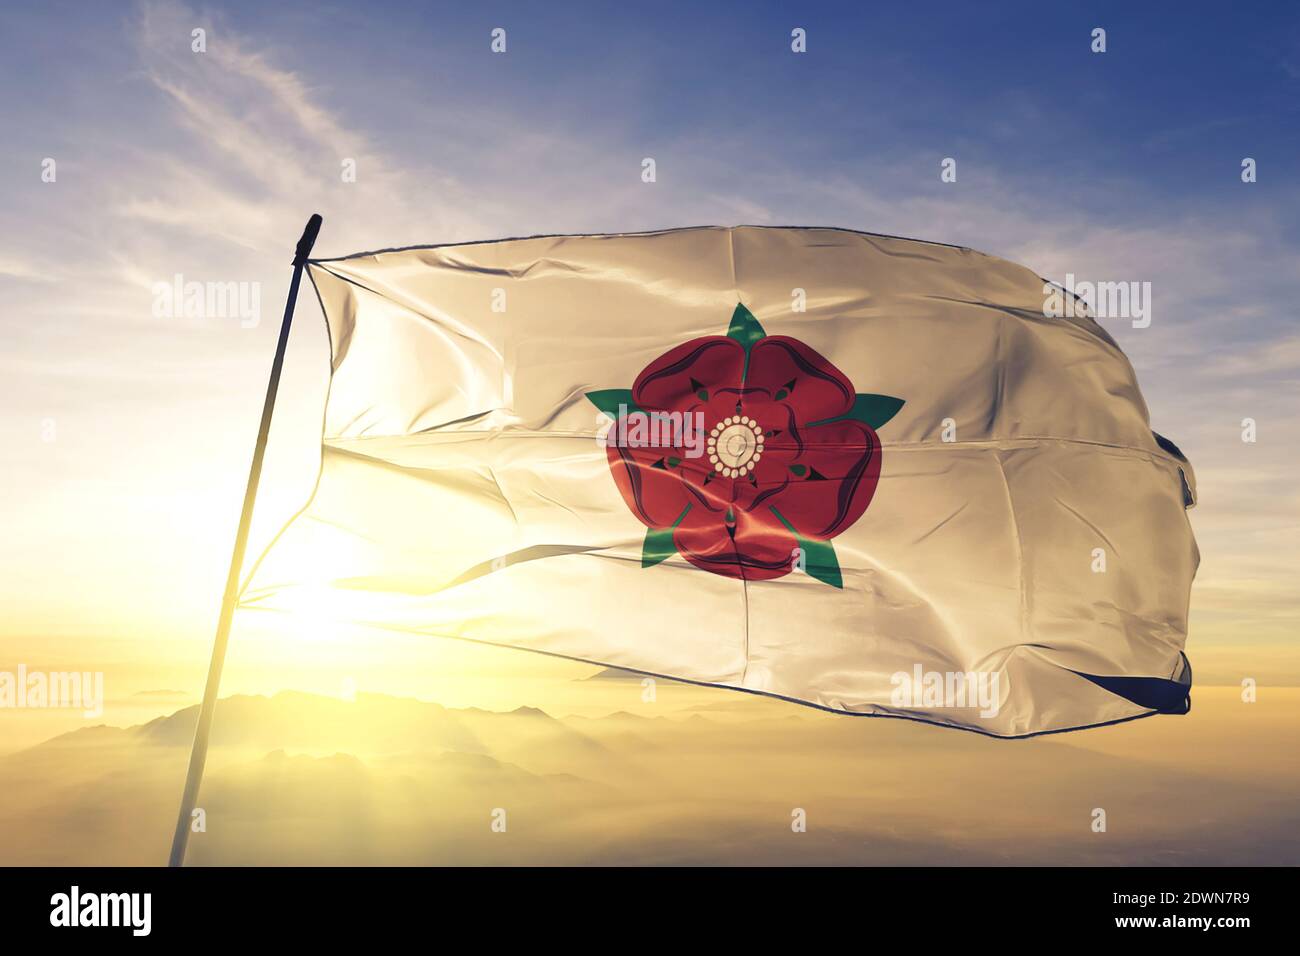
(658, 545)
(819, 556)
(608, 401)
(873, 410)
(744, 327)
(821, 563)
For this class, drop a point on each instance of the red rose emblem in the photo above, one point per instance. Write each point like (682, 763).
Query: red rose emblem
(745, 453)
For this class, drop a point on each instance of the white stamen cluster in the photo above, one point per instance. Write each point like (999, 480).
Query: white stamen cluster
(735, 446)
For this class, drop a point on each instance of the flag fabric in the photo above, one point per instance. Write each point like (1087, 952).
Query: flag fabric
(874, 475)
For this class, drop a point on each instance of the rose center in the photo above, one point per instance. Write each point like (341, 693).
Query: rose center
(735, 446)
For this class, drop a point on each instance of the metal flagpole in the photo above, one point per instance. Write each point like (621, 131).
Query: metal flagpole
(199, 751)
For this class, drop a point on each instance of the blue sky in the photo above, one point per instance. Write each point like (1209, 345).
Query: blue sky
(1116, 166)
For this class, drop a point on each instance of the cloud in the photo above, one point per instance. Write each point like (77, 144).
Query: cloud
(16, 268)
(208, 165)
(309, 780)
(257, 151)
(1265, 358)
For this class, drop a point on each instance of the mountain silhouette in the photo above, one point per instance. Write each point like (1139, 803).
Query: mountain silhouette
(298, 778)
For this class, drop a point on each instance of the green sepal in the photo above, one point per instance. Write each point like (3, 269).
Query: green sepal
(819, 556)
(658, 545)
(608, 401)
(873, 410)
(744, 327)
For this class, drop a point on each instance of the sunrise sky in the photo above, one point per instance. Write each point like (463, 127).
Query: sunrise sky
(127, 435)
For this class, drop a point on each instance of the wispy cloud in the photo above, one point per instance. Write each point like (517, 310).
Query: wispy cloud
(213, 161)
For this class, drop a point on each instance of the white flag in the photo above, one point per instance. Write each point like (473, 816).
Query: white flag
(869, 474)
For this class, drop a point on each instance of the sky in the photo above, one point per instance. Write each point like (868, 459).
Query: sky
(127, 435)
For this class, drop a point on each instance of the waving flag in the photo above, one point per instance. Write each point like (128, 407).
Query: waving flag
(868, 474)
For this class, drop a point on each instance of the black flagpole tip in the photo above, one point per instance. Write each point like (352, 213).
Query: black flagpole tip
(308, 239)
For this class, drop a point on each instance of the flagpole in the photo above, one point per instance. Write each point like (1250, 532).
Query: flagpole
(199, 751)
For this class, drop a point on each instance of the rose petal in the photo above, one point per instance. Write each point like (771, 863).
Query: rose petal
(814, 387)
(842, 462)
(713, 361)
(657, 496)
(761, 548)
